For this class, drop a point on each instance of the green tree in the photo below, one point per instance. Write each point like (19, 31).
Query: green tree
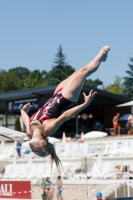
(22, 73)
(9, 82)
(2, 74)
(116, 87)
(17, 124)
(61, 70)
(94, 83)
(128, 81)
(36, 79)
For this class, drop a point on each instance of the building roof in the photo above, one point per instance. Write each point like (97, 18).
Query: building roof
(27, 93)
(102, 98)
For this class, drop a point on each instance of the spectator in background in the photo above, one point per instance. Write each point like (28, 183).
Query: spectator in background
(43, 187)
(131, 172)
(113, 172)
(59, 188)
(115, 169)
(116, 123)
(99, 196)
(18, 148)
(130, 124)
(47, 186)
(84, 129)
(78, 138)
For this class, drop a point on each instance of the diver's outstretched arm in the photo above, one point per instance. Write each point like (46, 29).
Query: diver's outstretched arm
(74, 111)
(25, 118)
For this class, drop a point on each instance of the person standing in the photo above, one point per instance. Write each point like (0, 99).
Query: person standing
(130, 124)
(116, 124)
(48, 189)
(59, 188)
(18, 149)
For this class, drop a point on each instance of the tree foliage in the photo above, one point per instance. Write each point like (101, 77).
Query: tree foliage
(9, 82)
(19, 78)
(94, 83)
(128, 81)
(116, 87)
(36, 79)
(2, 74)
(14, 79)
(17, 124)
(61, 70)
(21, 72)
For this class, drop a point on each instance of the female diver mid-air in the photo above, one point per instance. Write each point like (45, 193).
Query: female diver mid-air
(56, 110)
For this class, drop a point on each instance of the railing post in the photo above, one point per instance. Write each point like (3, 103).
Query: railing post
(89, 194)
(124, 190)
(128, 190)
(115, 190)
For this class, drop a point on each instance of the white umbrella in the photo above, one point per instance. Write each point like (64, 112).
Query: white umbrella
(2, 144)
(3, 138)
(94, 134)
(130, 103)
(64, 139)
(82, 135)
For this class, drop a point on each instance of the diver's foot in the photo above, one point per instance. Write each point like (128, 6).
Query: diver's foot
(105, 51)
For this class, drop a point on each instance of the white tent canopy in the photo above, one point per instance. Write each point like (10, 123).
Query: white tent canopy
(130, 103)
(94, 134)
(3, 138)
(9, 134)
(64, 139)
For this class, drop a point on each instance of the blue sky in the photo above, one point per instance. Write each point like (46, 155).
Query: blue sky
(32, 30)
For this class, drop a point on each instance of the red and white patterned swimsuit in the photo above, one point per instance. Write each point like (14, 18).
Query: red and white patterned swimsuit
(53, 108)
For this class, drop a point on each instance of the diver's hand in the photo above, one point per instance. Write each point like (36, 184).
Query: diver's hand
(90, 97)
(26, 107)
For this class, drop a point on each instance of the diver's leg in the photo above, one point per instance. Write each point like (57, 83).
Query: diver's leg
(74, 84)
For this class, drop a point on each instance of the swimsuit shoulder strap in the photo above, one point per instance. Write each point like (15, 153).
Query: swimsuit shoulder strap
(39, 124)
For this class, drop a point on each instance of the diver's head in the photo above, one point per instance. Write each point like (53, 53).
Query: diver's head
(40, 146)
(37, 146)
(38, 142)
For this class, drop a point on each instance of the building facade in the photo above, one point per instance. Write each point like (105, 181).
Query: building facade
(99, 113)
